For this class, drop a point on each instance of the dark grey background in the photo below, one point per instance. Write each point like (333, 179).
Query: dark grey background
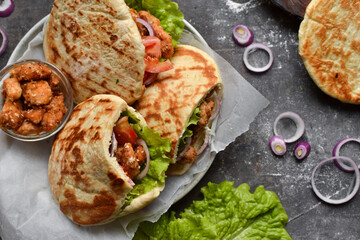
(286, 85)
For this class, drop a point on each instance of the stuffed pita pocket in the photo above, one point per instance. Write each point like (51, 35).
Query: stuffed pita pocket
(106, 163)
(182, 103)
(103, 49)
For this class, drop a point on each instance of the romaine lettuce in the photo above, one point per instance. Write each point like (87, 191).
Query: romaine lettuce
(224, 213)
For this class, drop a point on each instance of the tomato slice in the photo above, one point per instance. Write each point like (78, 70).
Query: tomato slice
(153, 65)
(124, 133)
(152, 46)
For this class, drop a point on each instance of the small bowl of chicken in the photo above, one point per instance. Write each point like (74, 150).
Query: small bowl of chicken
(36, 100)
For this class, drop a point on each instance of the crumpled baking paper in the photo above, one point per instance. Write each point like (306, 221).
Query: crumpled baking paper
(27, 209)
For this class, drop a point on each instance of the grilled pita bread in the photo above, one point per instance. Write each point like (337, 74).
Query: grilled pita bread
(329, 44)
(89, 185)
(98, 46)
(169, 102)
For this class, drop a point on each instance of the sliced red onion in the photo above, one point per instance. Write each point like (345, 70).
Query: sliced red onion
(131, 182)
(147, 25)
(349, 196)
(302, 150)
(4, 41)
(242, 35)
(143, 173)
(129, 179)
(217, 109)
(186, 148)
(277, 145)
(336, 151)
(251, 48)
(6, 7)
(150, 78)
(113, 145)
(205, 144)
(300, 125)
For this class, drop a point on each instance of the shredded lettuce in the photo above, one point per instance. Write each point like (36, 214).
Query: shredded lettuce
(159, 162)
(166, 11)
(224, 213)
(194, 119)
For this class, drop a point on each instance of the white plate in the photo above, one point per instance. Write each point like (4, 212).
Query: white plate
(192, 178)
(38, 27)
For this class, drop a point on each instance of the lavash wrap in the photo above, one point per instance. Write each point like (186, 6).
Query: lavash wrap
(97, 45)
(89, 185)
(169, 102)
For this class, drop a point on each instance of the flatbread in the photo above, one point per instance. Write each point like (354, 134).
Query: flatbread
(89, 185)
(98, 46)
(329, 44)
(169, 102)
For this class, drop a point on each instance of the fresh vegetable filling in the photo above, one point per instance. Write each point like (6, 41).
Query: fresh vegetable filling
(158, 43)
(129, 142)
(196, 128)
(129, 152)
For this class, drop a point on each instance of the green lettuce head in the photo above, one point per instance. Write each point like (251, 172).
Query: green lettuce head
(224, 213)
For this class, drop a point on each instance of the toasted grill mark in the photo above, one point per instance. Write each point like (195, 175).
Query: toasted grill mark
(73, 171)
(355, 45)
(119, 51)
(75, 135)
(155, 116)
(86, 213)
(56, 54)
(96, 137)
(104, 100)
(117, 184)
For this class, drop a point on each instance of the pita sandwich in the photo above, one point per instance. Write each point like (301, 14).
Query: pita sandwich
(91, 172)
(181, 103)
(329, 44)
(98, 46)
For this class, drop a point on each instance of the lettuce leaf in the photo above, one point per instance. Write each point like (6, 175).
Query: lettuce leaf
(224, 213)
(159, 162)
(166, 11)
(187, 132)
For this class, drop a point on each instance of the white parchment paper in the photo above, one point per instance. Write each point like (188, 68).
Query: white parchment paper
(27, 209)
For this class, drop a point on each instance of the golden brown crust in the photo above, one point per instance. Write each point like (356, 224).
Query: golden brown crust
(168, 103)
(98, 47)
(329, 44)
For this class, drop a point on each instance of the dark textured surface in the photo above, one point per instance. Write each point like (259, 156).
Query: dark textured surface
(286, 85)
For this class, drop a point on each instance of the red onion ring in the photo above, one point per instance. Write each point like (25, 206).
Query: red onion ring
(277, 145)
(242, 35)
(205, 144)
(150, 78)
(217, 109)
(4, 41)
(336, 151)
(349, 196)
(252, 48)
(113, 145)
(147, 25)
(300, 125)
(6, 8)
(302, 150)
(188, 142)
(143, 173)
